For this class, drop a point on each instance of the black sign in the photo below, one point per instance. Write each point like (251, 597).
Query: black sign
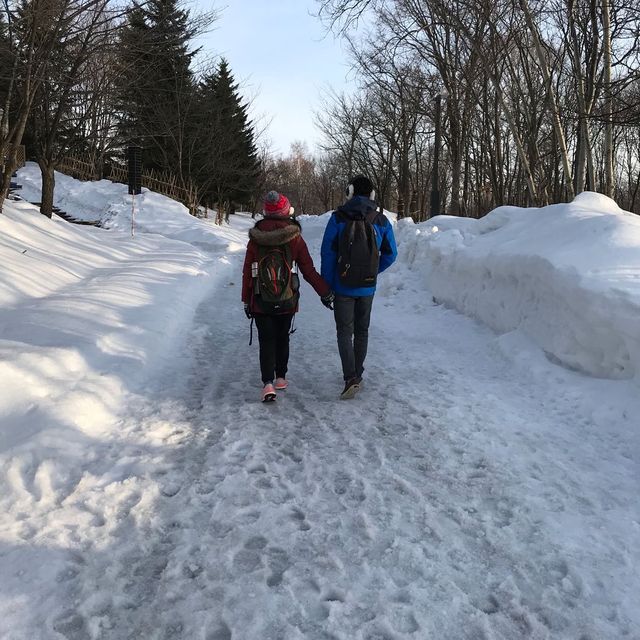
(134, 164)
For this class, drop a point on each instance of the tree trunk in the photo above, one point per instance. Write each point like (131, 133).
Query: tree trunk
(456, 162)
(532, 196)
(591, 170)
(553, 105)
(10, 163)
(48, 186)
(608, 125)
(581, 156)
(404, 184)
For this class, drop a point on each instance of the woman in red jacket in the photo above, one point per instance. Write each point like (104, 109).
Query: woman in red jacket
(270, 286)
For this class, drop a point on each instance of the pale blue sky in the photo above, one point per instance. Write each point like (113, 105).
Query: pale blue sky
(281, 55)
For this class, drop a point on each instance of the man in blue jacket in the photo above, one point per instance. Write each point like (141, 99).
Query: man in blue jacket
(352, 305)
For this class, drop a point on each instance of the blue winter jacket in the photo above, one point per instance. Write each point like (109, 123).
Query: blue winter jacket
(358, 205)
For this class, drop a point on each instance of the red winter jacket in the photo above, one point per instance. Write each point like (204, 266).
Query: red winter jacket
(276, 231)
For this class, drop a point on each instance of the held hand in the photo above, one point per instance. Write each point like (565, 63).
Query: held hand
(247, 311)
(327, 300)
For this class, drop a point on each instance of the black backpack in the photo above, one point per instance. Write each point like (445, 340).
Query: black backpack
(275, 281)
(358, 253)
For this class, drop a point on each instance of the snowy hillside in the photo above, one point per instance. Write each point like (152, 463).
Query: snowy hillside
(83, 313)
(475, 489)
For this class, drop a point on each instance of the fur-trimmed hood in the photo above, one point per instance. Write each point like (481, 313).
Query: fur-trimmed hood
(271, 233)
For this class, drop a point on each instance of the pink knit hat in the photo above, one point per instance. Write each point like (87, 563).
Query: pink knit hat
(275, 204)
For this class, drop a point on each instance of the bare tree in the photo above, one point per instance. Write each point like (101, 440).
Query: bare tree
(62, 106)
(38, 27)
(397, 84)
(341, 120)
(608, 110)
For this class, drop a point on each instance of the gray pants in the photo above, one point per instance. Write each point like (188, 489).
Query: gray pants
(352, 324)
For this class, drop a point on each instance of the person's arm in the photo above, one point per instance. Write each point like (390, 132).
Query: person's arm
(305, 263)
(247, 280)
(329, 252)
(388, 248)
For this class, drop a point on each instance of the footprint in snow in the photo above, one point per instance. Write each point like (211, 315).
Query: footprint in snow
(240, 453)
(222, 632)
(249, 558)
(404, 621)
(71, 625)
(170, 489)
(220, 529)
(247, 561)
(298, 516)
(334, 595)
(278, 562)
(341, 483)
(256, 542)
(206, 485)
(67, 574)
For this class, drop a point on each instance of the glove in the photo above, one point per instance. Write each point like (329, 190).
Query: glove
(328, 299)
(247, 311)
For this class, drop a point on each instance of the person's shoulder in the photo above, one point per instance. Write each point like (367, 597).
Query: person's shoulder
(298, 247)
(334, 218)
(298, 238)
(381, 220)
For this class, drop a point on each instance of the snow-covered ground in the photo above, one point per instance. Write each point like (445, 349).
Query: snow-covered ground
(475, 489)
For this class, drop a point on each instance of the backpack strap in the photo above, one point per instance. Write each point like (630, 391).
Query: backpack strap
(372, 215)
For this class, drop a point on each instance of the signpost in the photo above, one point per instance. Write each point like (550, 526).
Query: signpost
(134, 166)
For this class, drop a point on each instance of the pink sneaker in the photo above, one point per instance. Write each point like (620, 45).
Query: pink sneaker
(281, 384)
(268, 393)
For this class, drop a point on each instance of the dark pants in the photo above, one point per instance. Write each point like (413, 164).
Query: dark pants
(352, 324)
(273, 334)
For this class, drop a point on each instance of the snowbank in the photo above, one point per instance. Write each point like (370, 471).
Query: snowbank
(86, 315)
(566, 275)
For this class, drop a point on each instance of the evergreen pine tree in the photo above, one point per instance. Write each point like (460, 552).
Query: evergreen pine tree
(227, 164)
(156, 87)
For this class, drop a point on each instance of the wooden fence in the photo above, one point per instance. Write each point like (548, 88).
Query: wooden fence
(161, 182)
(80, 167)
(84, 168)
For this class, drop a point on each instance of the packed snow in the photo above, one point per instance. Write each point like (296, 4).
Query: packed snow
(482, 486)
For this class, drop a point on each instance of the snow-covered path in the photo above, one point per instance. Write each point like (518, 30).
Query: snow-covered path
(461, 495)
